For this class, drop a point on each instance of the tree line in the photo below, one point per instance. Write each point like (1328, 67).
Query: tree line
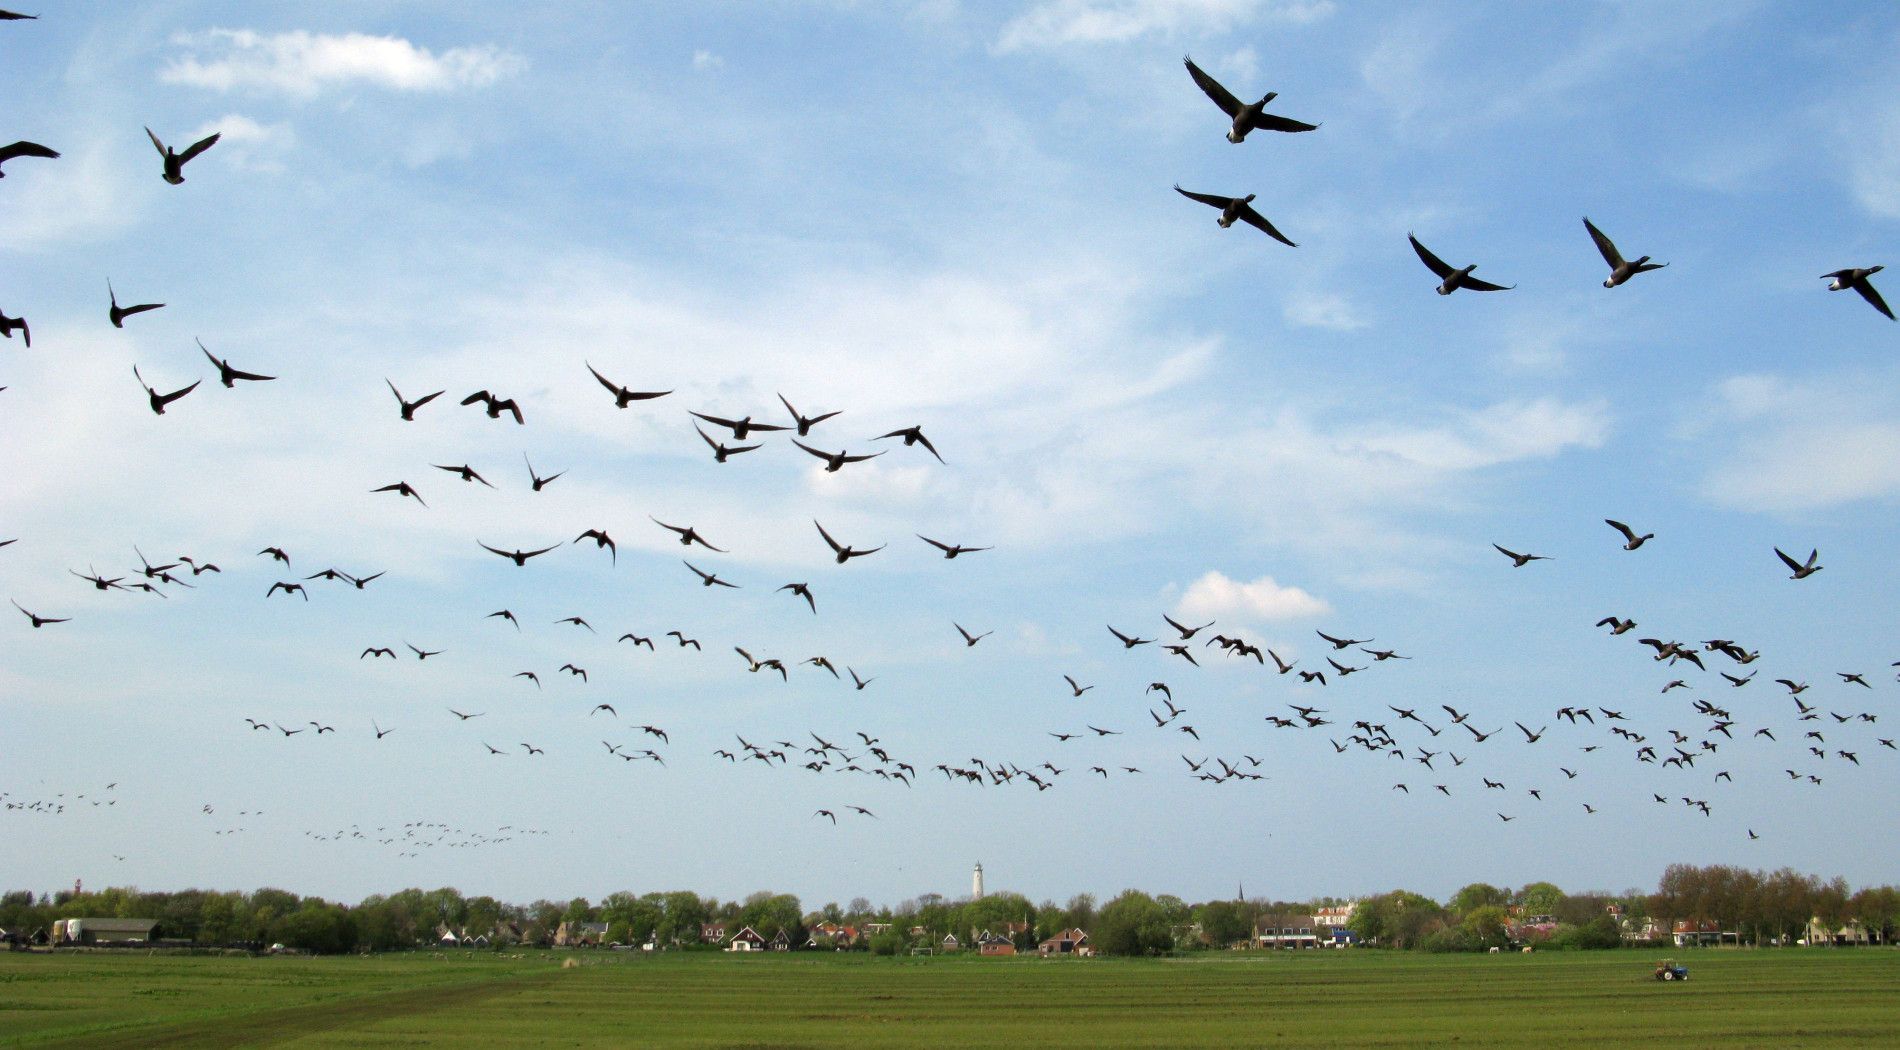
(1760, 907)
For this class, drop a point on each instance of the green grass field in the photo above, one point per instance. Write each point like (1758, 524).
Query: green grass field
(1366, 998)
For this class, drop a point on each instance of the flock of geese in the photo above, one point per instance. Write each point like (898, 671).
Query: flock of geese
(1592, 750)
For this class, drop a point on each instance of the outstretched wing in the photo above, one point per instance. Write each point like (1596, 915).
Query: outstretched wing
(1432, 262)
(24, 148)
(1210, 199)
(1868, 293)
(157, 145)
(1475, 285)
(1222, 97)
(1273, 122)
(1259, 222)
(1608, 250)
(198, 147)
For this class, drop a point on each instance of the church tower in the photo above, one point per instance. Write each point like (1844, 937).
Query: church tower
(976, 883)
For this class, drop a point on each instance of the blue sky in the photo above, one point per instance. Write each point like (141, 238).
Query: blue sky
(959, 217)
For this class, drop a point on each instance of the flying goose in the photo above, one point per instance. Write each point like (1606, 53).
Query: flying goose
(174, 160)
(1453, 279)
(1247, 117)
(1857, 280)
(1620, 269)
(1233, 209)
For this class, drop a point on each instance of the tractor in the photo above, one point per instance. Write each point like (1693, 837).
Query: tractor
(1669, 970)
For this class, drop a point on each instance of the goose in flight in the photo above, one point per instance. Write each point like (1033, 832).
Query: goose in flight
(117, 314)
(622, 395)
(1631, 540)
(1252, 116)
(803, 590)
(706, 579)
(688, 536)
(158, 400)
(1518, 561)
(519, 557)
(739, 427)
(1453, 279)
(174, 160)
(913, 436)
(1236, 209)
(1620, 269)
(495, 405)
(536, 480)
(970, 640)
(402, 488)
(722, 451)
(464, 471)
(1128, 641)
(1842, 280)
(844, 553)
(37, 620)
(409, 407)
(950, 550)
(1802, 570)
(228, 375)
(805, 423)
(834, 461)
(9, 324)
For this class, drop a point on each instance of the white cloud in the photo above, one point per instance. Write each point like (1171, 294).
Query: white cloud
(704, 59)
(301, 63)
(1216, 597)
(1056, 23)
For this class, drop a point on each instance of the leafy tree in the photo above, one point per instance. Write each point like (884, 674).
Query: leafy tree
(1132, 924)
(1477, 895)
(1540, 898)
(1222, 923)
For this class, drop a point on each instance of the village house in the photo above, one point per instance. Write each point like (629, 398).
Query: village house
(746, 940)
(988, 943)
(1066, 942)
(1286, 931)
(103, 931)
(712, 933)
(1694, 933)
(1817, 934)
(832, 935)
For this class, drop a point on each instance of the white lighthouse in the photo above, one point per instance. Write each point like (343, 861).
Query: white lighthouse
(976, 883)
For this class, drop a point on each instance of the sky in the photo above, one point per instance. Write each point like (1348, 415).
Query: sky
(959, 217)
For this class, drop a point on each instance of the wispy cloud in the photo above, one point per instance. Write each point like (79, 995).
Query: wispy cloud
(704, 60)
(1803, 446)
(301, 64)
(1060, 23)
(247, 144)
(1328, 310)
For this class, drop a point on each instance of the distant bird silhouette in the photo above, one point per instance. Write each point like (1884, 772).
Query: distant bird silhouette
(160, 401)
(858, 682)
(949, 550)
(1802, 570)
(913, 436)
(1453, 279)
(229, 376)
(706, 578)
(175, 161)
(622, 395)
(401, 488)
(601, 539)
(1076, 688)
(1857, 280)
(804, 423)
(970, 640)
(38, 620)
(117, 314)
(1518, 561)
(495, 405)
(688, 535)
(1247, 117)
(843, 553)
(463, 471)
(518, 556)
(1128, 641)
(288, 589)
(409, 407)
(536, 480)
(1620, 269)
(505, 615)
(1631, 540)
(722, 451)
(834, 460)
(800, 590)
